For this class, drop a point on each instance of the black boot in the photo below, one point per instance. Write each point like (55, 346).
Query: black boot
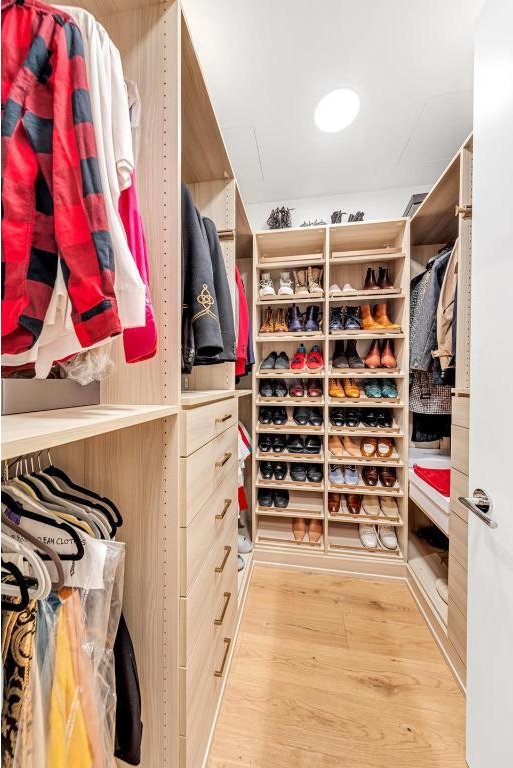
(353, 358)
(294, 319)
(336, 321)
(312, 319)
(352, 321)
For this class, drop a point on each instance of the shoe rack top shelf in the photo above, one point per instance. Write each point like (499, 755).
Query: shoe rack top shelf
(283, 246)
(367, 236)
(290, 263)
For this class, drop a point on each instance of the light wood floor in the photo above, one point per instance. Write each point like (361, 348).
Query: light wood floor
(336, 672)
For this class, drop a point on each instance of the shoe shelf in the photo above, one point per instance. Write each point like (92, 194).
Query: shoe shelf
(290, 428)
(344, 537)
(294, 336)
(393, 431)
(300, 505)
(366, 402)
(277, 300)
(291, 262)
(289, 374)
(288, 513)
(272, 532)
(290, 485)
(371, 335)
(361, 461)
(299, 458)
(365, 373)
(362, 297)
(349, 518)
(367, 490)
(290, 401)
(366, 257)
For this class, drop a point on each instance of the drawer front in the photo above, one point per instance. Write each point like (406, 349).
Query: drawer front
(459, 448)
(459, 487)
(201, 425)
(457, 630)
(461, 411)
(199, 537)
(204, 471)
(458, 539)
(206, 600)
(458, 584)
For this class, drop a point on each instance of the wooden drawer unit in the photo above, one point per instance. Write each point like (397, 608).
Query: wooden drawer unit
(459, 448)
(202, 424)
(458, 584)
(461, 411)
(204, 471)
(206, 602)
(199, 537)
(458, 539)
(459, 487)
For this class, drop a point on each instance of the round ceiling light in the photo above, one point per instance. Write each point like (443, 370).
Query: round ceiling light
(337, 110)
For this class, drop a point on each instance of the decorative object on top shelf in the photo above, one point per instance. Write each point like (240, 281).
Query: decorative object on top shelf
(314, 223)
(337, 216)
(413, 203)
(280, 218)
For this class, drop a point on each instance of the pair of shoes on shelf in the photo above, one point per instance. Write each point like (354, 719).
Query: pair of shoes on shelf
(304, 416)
(377, 536)
(380, 283)
(366, 417)
(276, 416)
(279, 497)
(273, 388)
(292, 321)
(272, 443)
(275, 362)
(377, 319)
(345, 319)
(312, 360)
(273, 469)
(366, 447)
(343, 388)
(311, 444)
(267, 290)
(373, 506)
(306, 473)
(345, 355)
(381, 355)
(380, 388)
(346, 290)
(340, 475)
(312, 387)
(308, 282)
(302, 526)
(387, 476)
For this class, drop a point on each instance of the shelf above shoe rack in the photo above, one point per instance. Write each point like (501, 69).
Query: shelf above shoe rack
(349, 249)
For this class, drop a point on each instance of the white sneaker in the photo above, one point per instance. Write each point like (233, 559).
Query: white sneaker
(266, 289)
(285, 288)
(368, 535)
(244, 545)
(348, 289)
(387, 537)
(335, 289)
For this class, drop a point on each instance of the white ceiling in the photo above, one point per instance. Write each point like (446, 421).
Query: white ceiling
(267, 63)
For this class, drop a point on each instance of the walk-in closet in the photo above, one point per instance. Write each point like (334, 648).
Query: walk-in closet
(255, 507)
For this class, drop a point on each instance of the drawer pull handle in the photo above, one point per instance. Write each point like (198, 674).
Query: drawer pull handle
(227, 505)
(223, 461)
(220, 672)
(220, 568)
(220, 419)
(219, 621)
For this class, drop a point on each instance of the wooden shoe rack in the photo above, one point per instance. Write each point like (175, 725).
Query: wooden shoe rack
(344, 252)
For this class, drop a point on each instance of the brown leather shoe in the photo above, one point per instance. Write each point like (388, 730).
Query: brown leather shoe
(354, 503)
(368, 321)
(333, 503)
(373, 358)
(381, 317)
(351, 446)
(368, 447)
(370, 281)
(335, 446)
(314, 530)
(384, 282)
(384, 447)
(335, 388)
(280, 324)
(299, 528)
(388, 476)
(388, 359)
(268, 321)
(370, 475)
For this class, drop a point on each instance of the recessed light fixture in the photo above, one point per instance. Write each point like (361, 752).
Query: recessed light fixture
(337, 110)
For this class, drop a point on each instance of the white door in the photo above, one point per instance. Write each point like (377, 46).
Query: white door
(490, 564)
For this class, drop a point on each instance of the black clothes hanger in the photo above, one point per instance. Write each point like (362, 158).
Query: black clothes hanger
(59, 473)
(15, 507)
(20, 582)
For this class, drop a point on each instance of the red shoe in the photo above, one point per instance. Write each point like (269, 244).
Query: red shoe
(299, 359)
(315, 360)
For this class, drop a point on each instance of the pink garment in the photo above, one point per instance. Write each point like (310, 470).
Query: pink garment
(243, 330)
(139, 343)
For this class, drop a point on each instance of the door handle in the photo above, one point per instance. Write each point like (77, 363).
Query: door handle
(223, 461)
(220, 419)
(481, 505)
(227, 505)
(227, 642)
(227, 597)
(220, 568)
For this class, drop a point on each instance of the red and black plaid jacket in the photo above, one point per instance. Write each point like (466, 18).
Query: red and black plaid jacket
(52, 202)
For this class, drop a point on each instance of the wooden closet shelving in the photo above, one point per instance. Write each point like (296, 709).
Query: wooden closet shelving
(343, 252)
